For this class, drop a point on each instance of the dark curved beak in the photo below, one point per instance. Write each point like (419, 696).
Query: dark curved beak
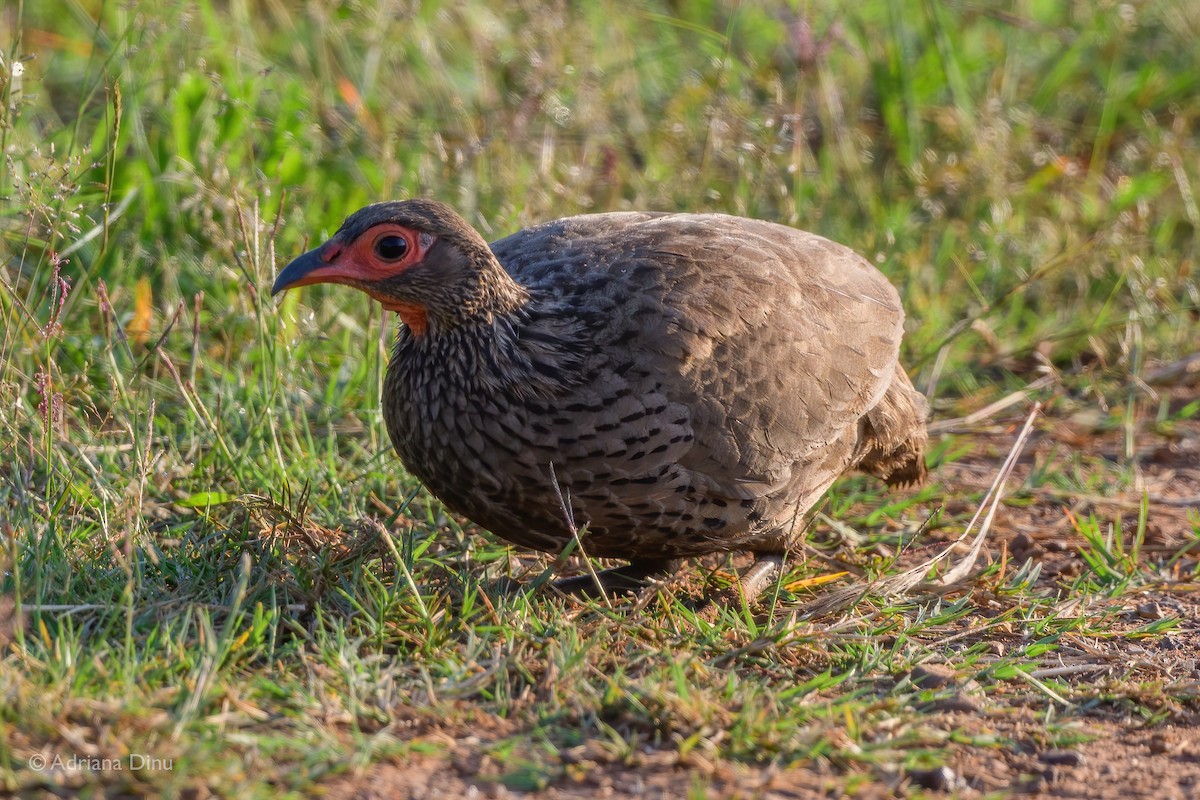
(303, 270)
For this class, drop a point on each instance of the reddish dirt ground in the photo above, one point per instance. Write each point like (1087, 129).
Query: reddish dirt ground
(1124, 761)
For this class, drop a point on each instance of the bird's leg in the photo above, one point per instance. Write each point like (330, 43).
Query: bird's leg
(758, 576)
(618, 580)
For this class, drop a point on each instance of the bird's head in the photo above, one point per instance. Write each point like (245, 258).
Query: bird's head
(416, 257)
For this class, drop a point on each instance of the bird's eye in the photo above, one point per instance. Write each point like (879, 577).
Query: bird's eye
(391, 248)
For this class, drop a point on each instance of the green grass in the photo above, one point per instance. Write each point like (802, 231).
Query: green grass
(188, 468)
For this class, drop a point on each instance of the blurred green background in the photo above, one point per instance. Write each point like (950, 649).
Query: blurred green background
(1027, 164)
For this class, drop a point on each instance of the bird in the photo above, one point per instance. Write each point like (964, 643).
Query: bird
(655, 386)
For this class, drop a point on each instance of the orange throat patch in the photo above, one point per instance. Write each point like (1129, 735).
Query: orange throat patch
(413, 315)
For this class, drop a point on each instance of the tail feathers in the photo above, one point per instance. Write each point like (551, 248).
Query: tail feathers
(892, 435)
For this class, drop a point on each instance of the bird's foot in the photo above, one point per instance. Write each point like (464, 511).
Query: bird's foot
(618, 580)
(750, 585)
(759, 575)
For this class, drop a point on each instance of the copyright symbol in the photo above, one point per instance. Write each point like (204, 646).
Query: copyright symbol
(37, 762)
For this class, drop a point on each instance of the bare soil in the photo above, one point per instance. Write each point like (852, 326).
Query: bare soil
(1124, 760)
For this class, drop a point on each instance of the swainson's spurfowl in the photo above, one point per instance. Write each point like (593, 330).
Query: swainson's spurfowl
(690, 383)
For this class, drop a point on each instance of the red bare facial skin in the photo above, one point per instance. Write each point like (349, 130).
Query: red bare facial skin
(359, 264)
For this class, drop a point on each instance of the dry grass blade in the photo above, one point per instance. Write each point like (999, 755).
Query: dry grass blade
(1183, 372)
(975, 417)
(842, 599)
(278, 524)
(991, 501)
(576, 543)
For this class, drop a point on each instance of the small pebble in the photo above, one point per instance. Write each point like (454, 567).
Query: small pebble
(942, 779)
(1062, 758)
(1161, 745)
(932, 676)
(960, 701)
(1150, 610)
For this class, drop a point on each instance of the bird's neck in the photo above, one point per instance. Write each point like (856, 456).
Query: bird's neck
(484, 293)
(495, 292)
(531, 349)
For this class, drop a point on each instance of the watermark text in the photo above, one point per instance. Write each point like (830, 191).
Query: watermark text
(135, 762)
